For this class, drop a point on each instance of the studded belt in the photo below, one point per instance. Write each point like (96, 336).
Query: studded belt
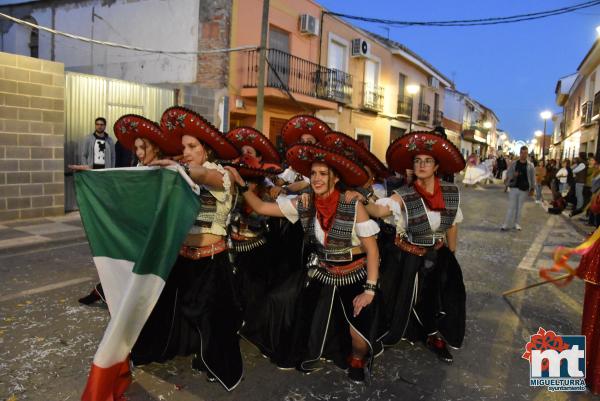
(242, 243)
(340, 275)
(406, 246)
(199, 252)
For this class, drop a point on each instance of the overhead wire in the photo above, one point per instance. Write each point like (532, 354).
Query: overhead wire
(120, 45)
(474, 22)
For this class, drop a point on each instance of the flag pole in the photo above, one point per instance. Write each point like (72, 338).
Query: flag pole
(514, 290)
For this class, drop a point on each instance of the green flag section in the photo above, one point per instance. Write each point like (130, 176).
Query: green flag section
(135, 220)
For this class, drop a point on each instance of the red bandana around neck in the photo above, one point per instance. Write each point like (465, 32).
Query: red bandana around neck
(326, 207)
(435, 200)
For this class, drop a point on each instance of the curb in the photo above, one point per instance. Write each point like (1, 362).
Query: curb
(42, 245)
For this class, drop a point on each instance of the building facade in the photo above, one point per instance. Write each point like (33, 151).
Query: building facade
(199, 80)
(472, 125)
(579, 96)
(319, 64)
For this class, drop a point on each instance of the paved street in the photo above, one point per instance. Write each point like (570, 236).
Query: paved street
(47, 339)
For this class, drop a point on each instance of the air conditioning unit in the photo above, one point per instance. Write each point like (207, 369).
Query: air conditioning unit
(433, 82)
(360, 48)
(309, 25)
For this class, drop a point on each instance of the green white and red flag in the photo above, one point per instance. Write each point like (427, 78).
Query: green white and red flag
(135, 220)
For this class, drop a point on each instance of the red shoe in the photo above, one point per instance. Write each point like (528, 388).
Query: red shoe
(438, 346)
(356, 371)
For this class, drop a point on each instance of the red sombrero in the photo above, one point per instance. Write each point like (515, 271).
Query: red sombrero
(301, 157)
(181, 121)
(250, 167)
(249, 136)
(343, 143)
(297, 126)
(402, 151)
(131, 126)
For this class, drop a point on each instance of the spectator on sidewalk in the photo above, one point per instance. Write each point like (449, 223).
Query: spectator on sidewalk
(501, 166)
(594, 187)
(550, 178)
(580, 173)
(540, 175)
(592, 171)
(521, 180)
(562, 176)
(98, 149)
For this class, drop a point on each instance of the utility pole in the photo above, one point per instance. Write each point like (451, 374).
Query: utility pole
(262, 57)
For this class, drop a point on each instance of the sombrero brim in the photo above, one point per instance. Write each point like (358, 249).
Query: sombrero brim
(299, 125)
(180, 121)
(266, 170)
(249, 136)
(132, 126)
(344, 143)
(302, 156)
(402, 151)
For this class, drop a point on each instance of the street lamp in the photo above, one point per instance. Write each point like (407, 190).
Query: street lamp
(546, 114)
(412, 90)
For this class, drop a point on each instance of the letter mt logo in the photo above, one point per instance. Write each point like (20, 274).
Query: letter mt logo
(557, 362)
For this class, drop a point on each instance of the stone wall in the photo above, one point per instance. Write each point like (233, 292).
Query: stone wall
(209, 93)
(32, 132)
(214, 31)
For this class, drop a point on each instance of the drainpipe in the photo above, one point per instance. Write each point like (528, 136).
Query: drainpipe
(53, 40)
(262, 55)
(321, 34)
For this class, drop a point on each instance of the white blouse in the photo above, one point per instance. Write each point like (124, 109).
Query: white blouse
(289, 176)
(365, 229)
(398, 218)
(224, 203)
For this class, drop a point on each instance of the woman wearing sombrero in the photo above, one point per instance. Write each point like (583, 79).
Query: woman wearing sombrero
(300, 129)
(327, 311)
(202, 313)
(145, 138)
(422, 285)
(370, 190)
(251, 233)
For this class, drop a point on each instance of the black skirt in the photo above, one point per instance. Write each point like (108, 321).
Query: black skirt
(262, 269)
(255, 271)
(198, 313)
(419, 301)
(302, 322)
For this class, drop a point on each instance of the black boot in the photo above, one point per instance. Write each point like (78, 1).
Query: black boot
(356, 370)
(198, 364)
(96, 294)
(438, 346)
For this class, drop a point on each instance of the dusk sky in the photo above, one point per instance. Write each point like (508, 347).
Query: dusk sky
(510, 68)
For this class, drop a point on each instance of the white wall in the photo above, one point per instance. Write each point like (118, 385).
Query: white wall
(156, 24)
(16, 40)
(453, 106)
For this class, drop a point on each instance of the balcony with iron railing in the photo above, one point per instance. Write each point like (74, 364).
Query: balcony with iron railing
(299, 76)
(372, 98)
(438, 116)
(405, 106)
(424, 112)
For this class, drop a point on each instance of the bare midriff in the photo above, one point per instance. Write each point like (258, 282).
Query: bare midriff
(199, 240)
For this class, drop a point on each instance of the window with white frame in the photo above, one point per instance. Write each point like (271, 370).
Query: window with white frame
(337, 52)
